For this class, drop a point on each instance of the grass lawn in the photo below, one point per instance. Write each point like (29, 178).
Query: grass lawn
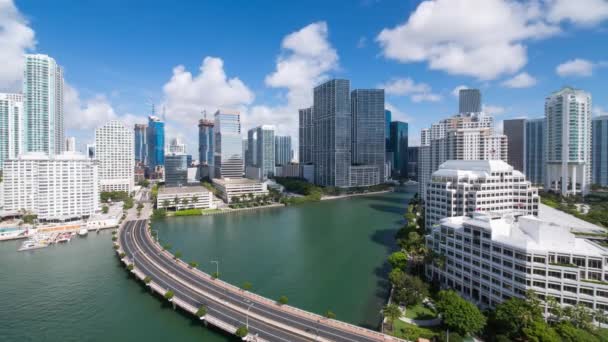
(193, 212)
(419, 312)
(411, 332)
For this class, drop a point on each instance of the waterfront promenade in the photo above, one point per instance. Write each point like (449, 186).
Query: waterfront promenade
(228, 307)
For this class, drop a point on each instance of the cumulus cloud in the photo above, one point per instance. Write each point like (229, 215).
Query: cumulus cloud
(493, 110)
(418, 92)
(521, 80)
(575, 67)
(456, 91)
(597, 111)
(16, 38)
(442, 33)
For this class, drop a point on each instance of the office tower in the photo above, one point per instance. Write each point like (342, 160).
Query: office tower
(61, 187)
(412, 162)
(141, 147)
(514, 130)
(306, 140)
(176, 145)
(332, 133)
(228, 145)
(469, 101)
(206, 137)
(568, 168)
(534, 150)
(490, 258)
(283, 150)
(368, 145)
(90, 151)
(245, 149)
(252, 148)
(70, 144)
(43, 128)
(114, 151)
(464, 187)
(467, 136)
(176, 169)
(398, 148)
(387, 129)
(11, 126)
(155, 139)
(599, 151)
(265, 152)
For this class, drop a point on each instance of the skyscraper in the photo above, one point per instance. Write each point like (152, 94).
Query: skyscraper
(568, 114)
(398, 147)
(228, 145)
(282, 150)
(264, 146)
(305, 136)
(514, 130)
(11, 126)
(368, 142)
(155, 139)
(43, 129)
(387, 130)
(205, 141)
(176, 145)
(141, 148)
(176, 169)
(332, 133)
(252, 148)
(114, 151)
(469, 101)
(70, 144)
(600, 150)
(412, 162)
(534, 150)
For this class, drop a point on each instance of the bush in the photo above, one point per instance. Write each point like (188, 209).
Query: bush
(122, 255)
(202, 311)
(283, 300)
(130, 267)
(329, 314)
(147, 280)
(242, 331)
(169, 295)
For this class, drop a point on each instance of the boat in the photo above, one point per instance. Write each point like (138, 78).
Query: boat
(32, 244)
(63, 237)
(83, 232)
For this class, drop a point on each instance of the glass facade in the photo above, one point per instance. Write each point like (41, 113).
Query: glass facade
(387, 131)
(155, 136)
(599, 150)
(534, 154)
(228, 143)
(306, 136)
(514, 130)
(140, 143)
(265, 150)
(282, 149)
(469, 101)
(368, 129)
(205, 142)
(399, 144)
(176, 170)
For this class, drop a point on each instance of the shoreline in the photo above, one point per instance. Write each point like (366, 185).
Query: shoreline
(329, 198)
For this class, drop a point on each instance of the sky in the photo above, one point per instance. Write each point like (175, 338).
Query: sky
(263, 58)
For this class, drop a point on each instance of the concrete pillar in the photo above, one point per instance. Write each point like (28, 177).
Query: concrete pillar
(574, 179)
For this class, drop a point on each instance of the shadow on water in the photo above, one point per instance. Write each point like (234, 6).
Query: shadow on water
(386, 238)
(395, 200)
(387, 208)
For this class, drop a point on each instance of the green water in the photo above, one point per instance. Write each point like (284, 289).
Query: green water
(327, 255)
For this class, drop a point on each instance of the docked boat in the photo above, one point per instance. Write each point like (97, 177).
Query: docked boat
(83, 232)
(32, 244)
(63, 237)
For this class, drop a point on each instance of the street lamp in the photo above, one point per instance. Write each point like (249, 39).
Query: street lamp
(247, 316)
(217, 267)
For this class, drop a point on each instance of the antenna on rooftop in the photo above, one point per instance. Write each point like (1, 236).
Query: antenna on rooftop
(204, 112)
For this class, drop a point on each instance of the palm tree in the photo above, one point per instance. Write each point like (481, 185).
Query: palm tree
(165, 203)
(391, 312)
(201, 312)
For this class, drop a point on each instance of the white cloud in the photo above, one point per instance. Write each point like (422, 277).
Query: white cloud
(442, 33)
(493, 110)
(581, 12)
(575, 67)
(16, 38)
(418, 92)
(456, 91)
(521, 80)
(186, 95)
(362, 42)
(397, 114)
(597, 111)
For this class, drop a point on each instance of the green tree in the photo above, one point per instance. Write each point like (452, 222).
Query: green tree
(105, 209)
(167, 246)
(246, 286)
(396, 277)
(147, 280)
(130, 267)
(201, 312)
(570, 333)
(122, 255)
(514, 315)
(177, 255)
(169, 295)
(330, 314)
(193, 264)
(458, 314)
(411, 291)
(540, 331)
(242, 331)
(392, 313)
(398, 260)
(283, 300)
(166, 203)
(215, 275)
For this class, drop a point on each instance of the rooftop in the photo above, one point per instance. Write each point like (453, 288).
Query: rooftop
(224, 181)
(474, 168)
(68, 155)
(181, 190)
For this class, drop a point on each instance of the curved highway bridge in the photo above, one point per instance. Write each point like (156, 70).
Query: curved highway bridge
(228, 307)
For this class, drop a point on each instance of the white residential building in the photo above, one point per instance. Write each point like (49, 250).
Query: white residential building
(465, 136)
(568, 136)
(231, 187)
(114, 150)
(62, 187)
(186, 197)
(489, 259)
(11, 126)
(463, 187)
(43, 121)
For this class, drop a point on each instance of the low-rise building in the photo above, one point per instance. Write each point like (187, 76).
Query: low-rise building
(364, 175)
(462, 187)
(231, 187)
(491, 258)
(186, 197)
(288, 170)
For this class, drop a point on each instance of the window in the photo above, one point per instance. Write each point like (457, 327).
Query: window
(586, 291)
(594, 263)
(570, 276)
(579, 261)
(555, 274)
(539, 272)
(570, 288)
(540, 259)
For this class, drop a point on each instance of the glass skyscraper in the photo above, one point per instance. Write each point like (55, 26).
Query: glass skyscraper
(514, 130)
(387, 131)
(306, 136)
(141, 148)
(228, 145)
(205, 142)
(282, 150)
(368, 129)
(399, 144)
(265, 153)
(332, 133)
(155, 139)
(176, 169)
(534, 150)
(43, 129)
(599, 150)
(469, 101)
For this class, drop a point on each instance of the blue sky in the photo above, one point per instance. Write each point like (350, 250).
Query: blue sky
(119, 56)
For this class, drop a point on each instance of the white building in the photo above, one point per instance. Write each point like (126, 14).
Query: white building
(11, 126)
(231, 187)
(114, 150)
(62, 187)
(186, 197)
(465, 136)
(43, 127)
(463, 187)
(568, 150)
(70, 144)
(228, 157)
(176, 146)
(364, 175)
(489, 259)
